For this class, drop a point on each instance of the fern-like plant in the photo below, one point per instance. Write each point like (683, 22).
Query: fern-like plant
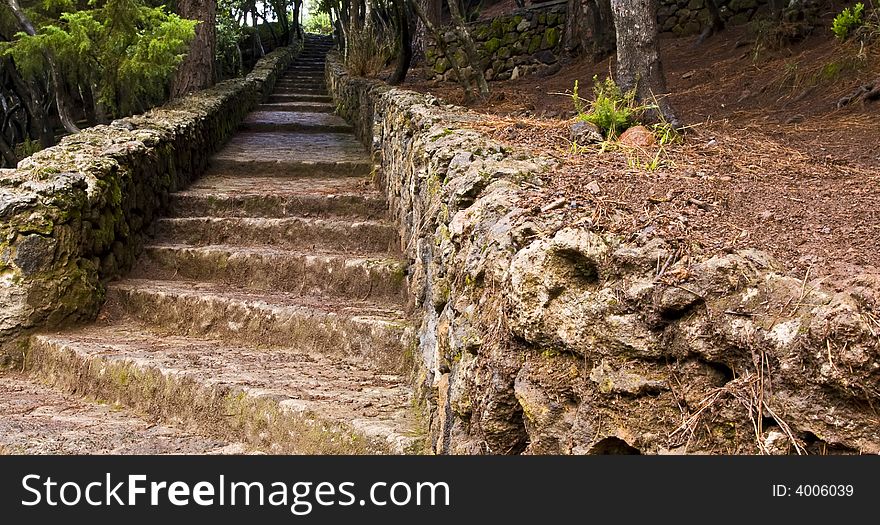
(847, 21)
(611, 110)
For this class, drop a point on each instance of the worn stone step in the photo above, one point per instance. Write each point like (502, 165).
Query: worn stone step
(376, 334)
(283, 92)
(234, 196)
(280, 401)
(266, 269)
(295, 122)
(304, 97)
(286, 88)
(317, 74)
(295, 232)
(300, 81)
(299, 107)
(37, 419)
(292, 155)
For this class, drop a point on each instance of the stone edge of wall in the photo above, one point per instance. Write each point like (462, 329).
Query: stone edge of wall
(592, 326)
(73, 216)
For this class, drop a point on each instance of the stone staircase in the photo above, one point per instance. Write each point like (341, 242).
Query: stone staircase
(266, 314)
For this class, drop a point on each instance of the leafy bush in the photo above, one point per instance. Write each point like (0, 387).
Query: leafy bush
(370, 49)
(125, 49)
(612, 111)
(318, 23)
(847, 21)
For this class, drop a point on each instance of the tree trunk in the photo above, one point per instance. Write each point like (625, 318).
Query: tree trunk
(433, 11)
(463, 80)
(589, 28)
(470, 50)
(30, 94)
(9, 158)
(297, 8)
(638, 57)
(404, 43)
(58, 88)
(197, 69)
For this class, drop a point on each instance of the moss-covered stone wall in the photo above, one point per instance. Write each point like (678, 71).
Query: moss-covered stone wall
(529, 41)
(73, 216)
(540, 336)
(521, 43)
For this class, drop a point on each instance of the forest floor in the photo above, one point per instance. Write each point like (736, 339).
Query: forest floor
(768, 160)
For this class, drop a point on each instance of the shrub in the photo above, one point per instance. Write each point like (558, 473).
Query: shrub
(847, 21)
(612, 110)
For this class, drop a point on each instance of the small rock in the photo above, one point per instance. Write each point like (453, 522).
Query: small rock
(593, 187)
(524, 25)
(545, 57)
(515, 74)
(584, 133)
(637, 137)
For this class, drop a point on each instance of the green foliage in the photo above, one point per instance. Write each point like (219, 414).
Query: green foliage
(27, 148)
(125, 50)
(847, 21)
(227, 53)
(318, 23)
(611, 110)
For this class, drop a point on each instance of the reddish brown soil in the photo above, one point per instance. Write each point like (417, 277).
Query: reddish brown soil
(769, 161)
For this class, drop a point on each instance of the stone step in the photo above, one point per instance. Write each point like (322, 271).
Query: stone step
(295, 232)
(234, 196)
(294, 122)
(377, 335)
(302, 97)
(286, 85)
(299, 107)
(280, 401)
(317, 74)
(282, 92)
(40, 420)
(267, 269)
(292, 155)
(297, 80)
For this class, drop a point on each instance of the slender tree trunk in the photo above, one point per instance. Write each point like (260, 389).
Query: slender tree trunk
(297, 8)
(61, 99)
(404, 42)
(433, 11)
(589, 28)
(638, 56)
(463, 80)
(716, 23)
(470, 50)
(197, 69)
(85, 93)
(257, 50)
(9, 158)
(30, 93)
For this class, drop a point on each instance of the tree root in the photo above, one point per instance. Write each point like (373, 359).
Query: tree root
(866, 93)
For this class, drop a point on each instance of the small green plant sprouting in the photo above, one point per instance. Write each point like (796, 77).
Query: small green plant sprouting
(612, 110)
(847, 21)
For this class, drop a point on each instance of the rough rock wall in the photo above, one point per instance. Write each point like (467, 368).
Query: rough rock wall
(524, 42)
(690, 17)
(529, 41)
(543, 337)
(73, 216)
